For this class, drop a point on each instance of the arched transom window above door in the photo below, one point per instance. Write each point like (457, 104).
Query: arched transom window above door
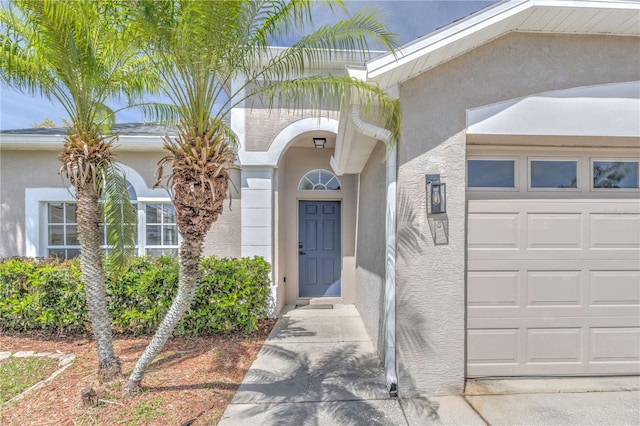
(319, 180)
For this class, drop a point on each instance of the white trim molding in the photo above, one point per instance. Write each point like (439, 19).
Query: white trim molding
(36, 200)
(283, 139)
(34, 207)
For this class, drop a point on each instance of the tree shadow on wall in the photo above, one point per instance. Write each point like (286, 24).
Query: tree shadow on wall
(410, 333)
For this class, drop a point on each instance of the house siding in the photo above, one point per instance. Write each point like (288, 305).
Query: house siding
(39, 169)
(20, 170)
(223, 239)
(430, 278)
(262, 126)
(370, 250)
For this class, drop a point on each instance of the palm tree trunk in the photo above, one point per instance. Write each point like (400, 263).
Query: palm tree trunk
(189, 260)
(88, 219)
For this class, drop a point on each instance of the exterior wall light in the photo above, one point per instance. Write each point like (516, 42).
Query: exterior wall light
(319, 142)
(436, 195)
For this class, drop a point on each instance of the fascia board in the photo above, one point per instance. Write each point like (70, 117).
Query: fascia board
(344, 139)
(445, 35)
(505, 13)
(54, 142)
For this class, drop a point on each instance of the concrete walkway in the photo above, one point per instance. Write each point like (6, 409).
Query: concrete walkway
(318, 367)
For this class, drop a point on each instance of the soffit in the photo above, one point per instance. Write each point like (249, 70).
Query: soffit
(608, 110)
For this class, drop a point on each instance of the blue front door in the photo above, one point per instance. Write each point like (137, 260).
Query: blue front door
(319, 260)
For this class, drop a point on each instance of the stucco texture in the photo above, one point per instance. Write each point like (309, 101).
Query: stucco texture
(39, 169)
(430, 277)
(262, 126)
(20, 170)
(223, 239)
(370, 249)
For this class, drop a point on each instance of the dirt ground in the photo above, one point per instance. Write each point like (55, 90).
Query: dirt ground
(192, 380)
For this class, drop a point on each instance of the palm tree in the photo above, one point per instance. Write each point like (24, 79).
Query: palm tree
(83, 54)
(203, 48)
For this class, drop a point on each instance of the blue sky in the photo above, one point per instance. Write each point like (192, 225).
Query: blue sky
(409, 19)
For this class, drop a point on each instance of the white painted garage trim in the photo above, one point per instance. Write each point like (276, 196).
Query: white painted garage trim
(553, 277)
(608, 110)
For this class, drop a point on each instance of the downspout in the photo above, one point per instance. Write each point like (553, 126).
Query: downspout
(389, 313)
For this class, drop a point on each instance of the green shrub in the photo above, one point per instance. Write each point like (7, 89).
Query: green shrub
(45, 294)
(37, 294)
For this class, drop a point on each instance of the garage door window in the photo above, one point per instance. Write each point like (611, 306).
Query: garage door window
(615, 174)
(553, 174)
(491, 173)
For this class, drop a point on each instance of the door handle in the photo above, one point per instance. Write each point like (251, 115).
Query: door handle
(302, 252)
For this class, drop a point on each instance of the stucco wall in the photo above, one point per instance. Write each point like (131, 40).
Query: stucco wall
(223, 240)
(262, 125)
(370, 250)
(39, 169)
(295, 163)
(430, 278)
(19, 170)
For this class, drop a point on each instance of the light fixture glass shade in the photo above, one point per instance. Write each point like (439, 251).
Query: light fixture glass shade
(438, 197)
(319, 142)
(436, 194)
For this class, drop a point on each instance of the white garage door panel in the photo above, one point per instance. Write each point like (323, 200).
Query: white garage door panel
(553, 287)
(554, 351)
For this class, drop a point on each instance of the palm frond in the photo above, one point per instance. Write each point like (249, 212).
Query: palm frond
(328, 92)
(121, 218)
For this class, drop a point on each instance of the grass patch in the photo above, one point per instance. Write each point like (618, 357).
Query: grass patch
(18, 374)
(147, 411)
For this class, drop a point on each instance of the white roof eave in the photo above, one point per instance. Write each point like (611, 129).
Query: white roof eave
(608, 110)
(22, 142)
(479, 28)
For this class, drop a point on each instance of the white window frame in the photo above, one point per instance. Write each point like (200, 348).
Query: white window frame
(36, 236)
(592, 160)
(64, 224)
(516, 173)
(578, 162)
(319, 172)
(142, 225)
(141, 246)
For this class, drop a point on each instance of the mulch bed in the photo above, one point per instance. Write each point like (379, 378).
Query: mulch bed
(192, 380)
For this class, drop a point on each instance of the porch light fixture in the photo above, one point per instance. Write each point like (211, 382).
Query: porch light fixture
(319, 142)
(436, 195)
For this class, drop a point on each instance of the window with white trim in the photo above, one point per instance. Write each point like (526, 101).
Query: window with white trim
(492, 173)
(157, 230)
(319, 180)
(615, 174)
(553, 174)
(160, 229)
(62, 231)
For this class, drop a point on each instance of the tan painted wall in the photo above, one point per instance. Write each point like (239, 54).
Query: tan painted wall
(39, 169)
(370, 249)
(223, 240)
(430, 278)
(295, 163)
(20, 170)
(263, 126)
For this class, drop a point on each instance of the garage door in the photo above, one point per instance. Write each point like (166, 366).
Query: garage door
(553, 283)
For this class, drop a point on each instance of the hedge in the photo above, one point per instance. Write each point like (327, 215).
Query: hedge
(48, 295)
